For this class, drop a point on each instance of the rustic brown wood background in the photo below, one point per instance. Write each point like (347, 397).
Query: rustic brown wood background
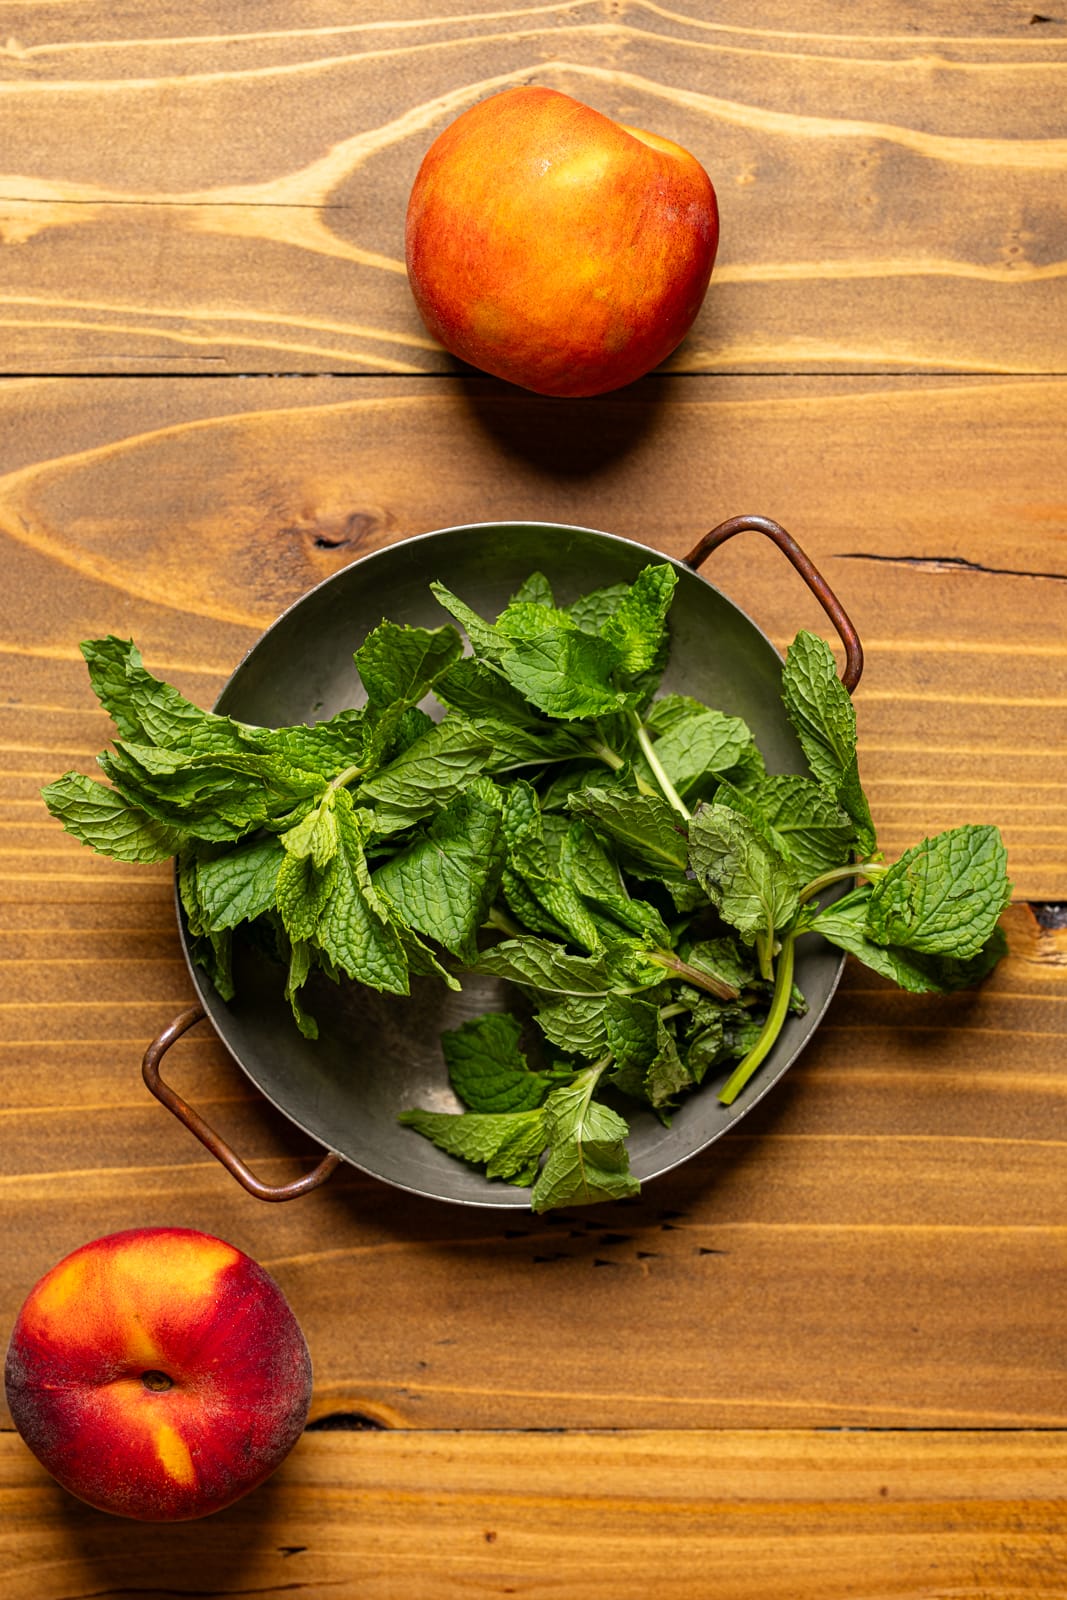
(828, 1360)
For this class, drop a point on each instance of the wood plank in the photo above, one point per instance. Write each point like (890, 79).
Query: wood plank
(792, 1515)
(189, 514)
(891, 190)
(881, 1242)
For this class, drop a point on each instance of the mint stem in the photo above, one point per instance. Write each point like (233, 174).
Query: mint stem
(783, 981)
(612, 759)
(694, 975)
(675, 1009)
(344, 778)
(783, 989)
(856, 869)
(765, 954)
(648, 750)
(588, 1078)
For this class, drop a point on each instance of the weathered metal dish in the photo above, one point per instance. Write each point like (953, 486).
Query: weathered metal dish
(377, 1054)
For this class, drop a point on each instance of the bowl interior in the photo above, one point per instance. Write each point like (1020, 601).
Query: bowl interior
(377, 1055)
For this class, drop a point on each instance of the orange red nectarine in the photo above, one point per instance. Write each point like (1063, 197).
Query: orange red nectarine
(551, 246)
(158, 1374)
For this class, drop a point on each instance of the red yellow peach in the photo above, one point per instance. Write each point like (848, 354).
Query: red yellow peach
(158, 1374)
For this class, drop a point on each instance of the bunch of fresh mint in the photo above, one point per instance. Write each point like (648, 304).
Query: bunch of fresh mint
(624, 860)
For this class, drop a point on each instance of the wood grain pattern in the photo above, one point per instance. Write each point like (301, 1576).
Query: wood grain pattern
(741, 1516)
(226, 192)
(827, 1361)
(898, 1203)
(190, 514)
(881, 1243)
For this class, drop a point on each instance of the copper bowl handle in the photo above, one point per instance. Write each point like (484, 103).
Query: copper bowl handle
(207, 1135)
(808, 571)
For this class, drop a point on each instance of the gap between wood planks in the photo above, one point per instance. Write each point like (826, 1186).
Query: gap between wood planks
(355, 374)
(360, 1422)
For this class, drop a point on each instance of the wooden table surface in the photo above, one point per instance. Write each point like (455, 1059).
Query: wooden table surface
(827, 1359)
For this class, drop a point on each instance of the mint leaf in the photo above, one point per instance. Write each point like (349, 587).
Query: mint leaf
(591, 611)
(851, 794)
(821, 711)
(542, 965)
(487, 1069)
(587, 1159)
(534, 590)
(214, 807)
(702, 1048)
(525, 619)
(212, 797)
(844, 923)
(698, 743)
(667, 1075)
(715, 1033)
(632, 1029)
(508, 1145)
(751, 886)
(209, 948)
(586, 865)
(354, 927)
(819, 707)
(401, 663)
(484, 638)
(301, 962)
(308, 870)
(514, 746)
(801, 819)
(391, 731)
(147, 711)
(422, 962)
(712, 1041)
(444, 883)
(722, 958)
(534, 887)
(944, 896)
(518, 733)
(301, 892)
(213, 952)
(577, 775)
(748, 770)
(565, 673)
(576, 1024)
(172, 772)
(646, 830)
(525, 907)
(326, 748)
(188, 891)
(529, 859)
(102, 819)
(669, 712)
(523, 826)
(425, 776)
(521, 818)
(481, 691)
(239, 885)
(637, 627)
(646, 1063)
(315, 835)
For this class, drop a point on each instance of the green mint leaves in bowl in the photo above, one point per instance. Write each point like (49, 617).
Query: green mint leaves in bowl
(521, 802)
